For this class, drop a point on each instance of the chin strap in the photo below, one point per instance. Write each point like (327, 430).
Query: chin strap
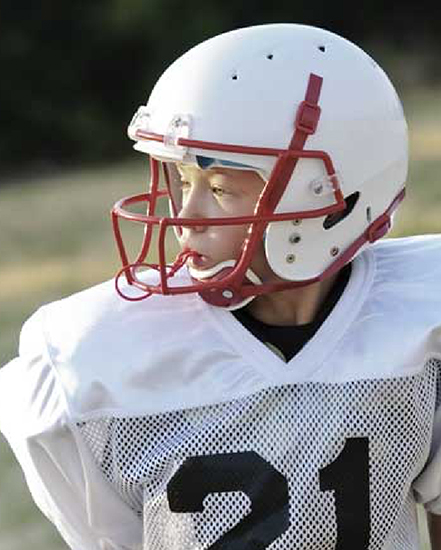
(227, 298)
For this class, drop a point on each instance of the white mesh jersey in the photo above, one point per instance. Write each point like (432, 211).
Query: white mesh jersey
(165, 424)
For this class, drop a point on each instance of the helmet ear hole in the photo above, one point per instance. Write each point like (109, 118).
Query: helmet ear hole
(337, 217)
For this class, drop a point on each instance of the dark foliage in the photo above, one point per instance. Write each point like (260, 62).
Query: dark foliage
(74, 71)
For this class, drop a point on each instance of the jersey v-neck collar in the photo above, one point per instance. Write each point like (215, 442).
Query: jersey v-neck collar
(287, 340)
(310, 358)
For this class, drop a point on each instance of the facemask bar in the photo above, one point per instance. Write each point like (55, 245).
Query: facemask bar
(229, 283)
(258, 221)
(306, 122)
(232, 282)
(174, 207)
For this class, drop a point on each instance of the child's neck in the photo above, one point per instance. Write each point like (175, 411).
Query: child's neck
(298, 306)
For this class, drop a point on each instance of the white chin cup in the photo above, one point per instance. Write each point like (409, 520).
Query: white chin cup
(203, 274)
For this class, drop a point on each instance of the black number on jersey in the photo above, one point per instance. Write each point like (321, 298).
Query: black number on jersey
(267, 489)
(348, 477)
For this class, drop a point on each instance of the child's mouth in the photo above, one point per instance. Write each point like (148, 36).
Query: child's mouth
(198, 261)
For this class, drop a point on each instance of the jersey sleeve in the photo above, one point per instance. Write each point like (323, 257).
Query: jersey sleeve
(427, 486)
(60, 472)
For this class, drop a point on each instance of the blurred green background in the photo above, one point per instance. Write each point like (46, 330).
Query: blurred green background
(73, 73)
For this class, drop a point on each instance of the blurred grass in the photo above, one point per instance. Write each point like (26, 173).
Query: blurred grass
(55, 239)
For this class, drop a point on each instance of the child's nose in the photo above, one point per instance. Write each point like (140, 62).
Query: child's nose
(191, 215)
(191, 210)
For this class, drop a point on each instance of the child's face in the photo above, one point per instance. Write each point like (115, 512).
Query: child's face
(216, 193)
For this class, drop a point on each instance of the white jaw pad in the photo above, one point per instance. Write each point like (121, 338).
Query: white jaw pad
(213, 271)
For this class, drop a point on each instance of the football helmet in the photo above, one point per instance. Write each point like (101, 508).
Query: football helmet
(309, 111)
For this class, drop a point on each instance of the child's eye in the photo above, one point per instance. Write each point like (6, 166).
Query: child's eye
(218, 191)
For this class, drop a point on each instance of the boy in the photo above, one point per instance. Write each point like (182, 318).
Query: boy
(168, 422)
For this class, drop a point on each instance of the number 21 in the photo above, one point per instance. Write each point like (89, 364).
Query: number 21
(267, 489)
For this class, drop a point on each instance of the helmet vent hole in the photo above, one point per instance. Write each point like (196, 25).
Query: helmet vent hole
(337, 217)
(270, 56)
(322, 48)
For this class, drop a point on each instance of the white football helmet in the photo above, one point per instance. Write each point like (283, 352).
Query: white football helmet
(308, 110)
